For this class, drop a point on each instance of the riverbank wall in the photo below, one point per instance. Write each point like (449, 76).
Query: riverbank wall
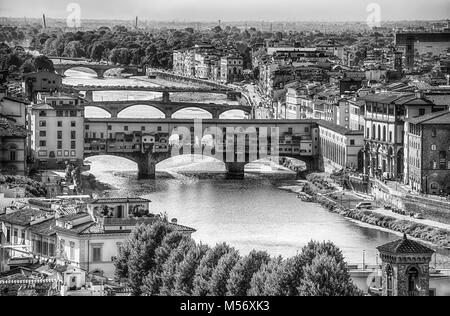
(318, 187)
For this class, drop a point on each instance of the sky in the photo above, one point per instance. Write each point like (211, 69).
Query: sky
(231, 10)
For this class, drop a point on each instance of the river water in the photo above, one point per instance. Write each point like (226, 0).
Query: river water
(250, 214)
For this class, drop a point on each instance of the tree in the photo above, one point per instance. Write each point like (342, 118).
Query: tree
(206, 268)
(267, 281)
(153, 282)
(221, 274)
(137, 256)
(242, 274)
(185, 273)
(97, 51)
(170, 267)
(42, 63)
(74, 49)
(326, 276)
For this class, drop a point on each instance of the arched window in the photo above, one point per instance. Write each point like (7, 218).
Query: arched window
(390, 281)
(413, 281)
(379, 132)
(384, 134)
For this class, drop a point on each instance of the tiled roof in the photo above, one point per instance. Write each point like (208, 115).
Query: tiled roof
(405, 246)
(442, 117)
(8, 129)
(120, 200)
(44, 229)
(338, 129)
(22, 217)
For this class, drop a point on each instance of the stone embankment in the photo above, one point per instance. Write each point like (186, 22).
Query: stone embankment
(321, 186)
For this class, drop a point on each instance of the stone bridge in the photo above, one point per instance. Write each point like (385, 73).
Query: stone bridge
(100, 69)
(234, 142)
(166, 91)
(168, 108)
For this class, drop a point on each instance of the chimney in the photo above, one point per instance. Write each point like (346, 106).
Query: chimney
(174, 221)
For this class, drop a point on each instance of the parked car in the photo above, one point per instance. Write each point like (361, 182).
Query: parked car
(419, 216)
(364, 206)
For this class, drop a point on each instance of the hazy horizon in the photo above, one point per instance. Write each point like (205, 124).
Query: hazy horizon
(231, 10)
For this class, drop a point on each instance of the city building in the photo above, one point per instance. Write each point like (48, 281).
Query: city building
(428, 161)
(13, 148)
(93, 244)
(340, 148)
(57, 130)
(385, 115)
(405, 268)
(231, 68)
(72, 232)
(41, 81)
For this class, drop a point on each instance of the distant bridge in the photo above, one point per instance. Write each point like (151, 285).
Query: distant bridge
(235, 142)
(100, 69)
(168, 108)
(89, 90)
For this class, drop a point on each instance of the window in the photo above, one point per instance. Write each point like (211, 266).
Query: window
(109, 127)
(42, 113)
(73, 124)
(390, 281)
(86, 127)
(73, 113)
(8, 235)
(421, 112)
(59, 134)
(73, 135)
(433, 147)
(142, 128)
(59, 113)
(443, 160)
(12, 155)
(433, 132)
(42, 123)
(96, 254)
(352, 142)
(60, 124)
(73, 145)
(22, 236)
(42, 143)
(125, 128)
(16, 236)
(59, 144)
(42, 133)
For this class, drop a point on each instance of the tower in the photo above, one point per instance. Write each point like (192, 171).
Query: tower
(398, 61)
(405, 268)
(409, 53)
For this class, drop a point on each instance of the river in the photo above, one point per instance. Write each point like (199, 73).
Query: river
(250, 214)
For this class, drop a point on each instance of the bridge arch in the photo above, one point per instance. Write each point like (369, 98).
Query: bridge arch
(235, 108)
(147, 111)
(202, 112)
(63, 70)
(92, 111)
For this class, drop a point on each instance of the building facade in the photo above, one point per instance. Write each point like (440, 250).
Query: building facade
(57, 131)
(340, 147)
(231, 68)
(428, 163)
(385, 116)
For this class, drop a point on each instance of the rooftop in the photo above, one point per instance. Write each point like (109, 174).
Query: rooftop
(120, 201)
(437, 118)
(8, 129)
(22, 217)
(405, 246)
(339, 129)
